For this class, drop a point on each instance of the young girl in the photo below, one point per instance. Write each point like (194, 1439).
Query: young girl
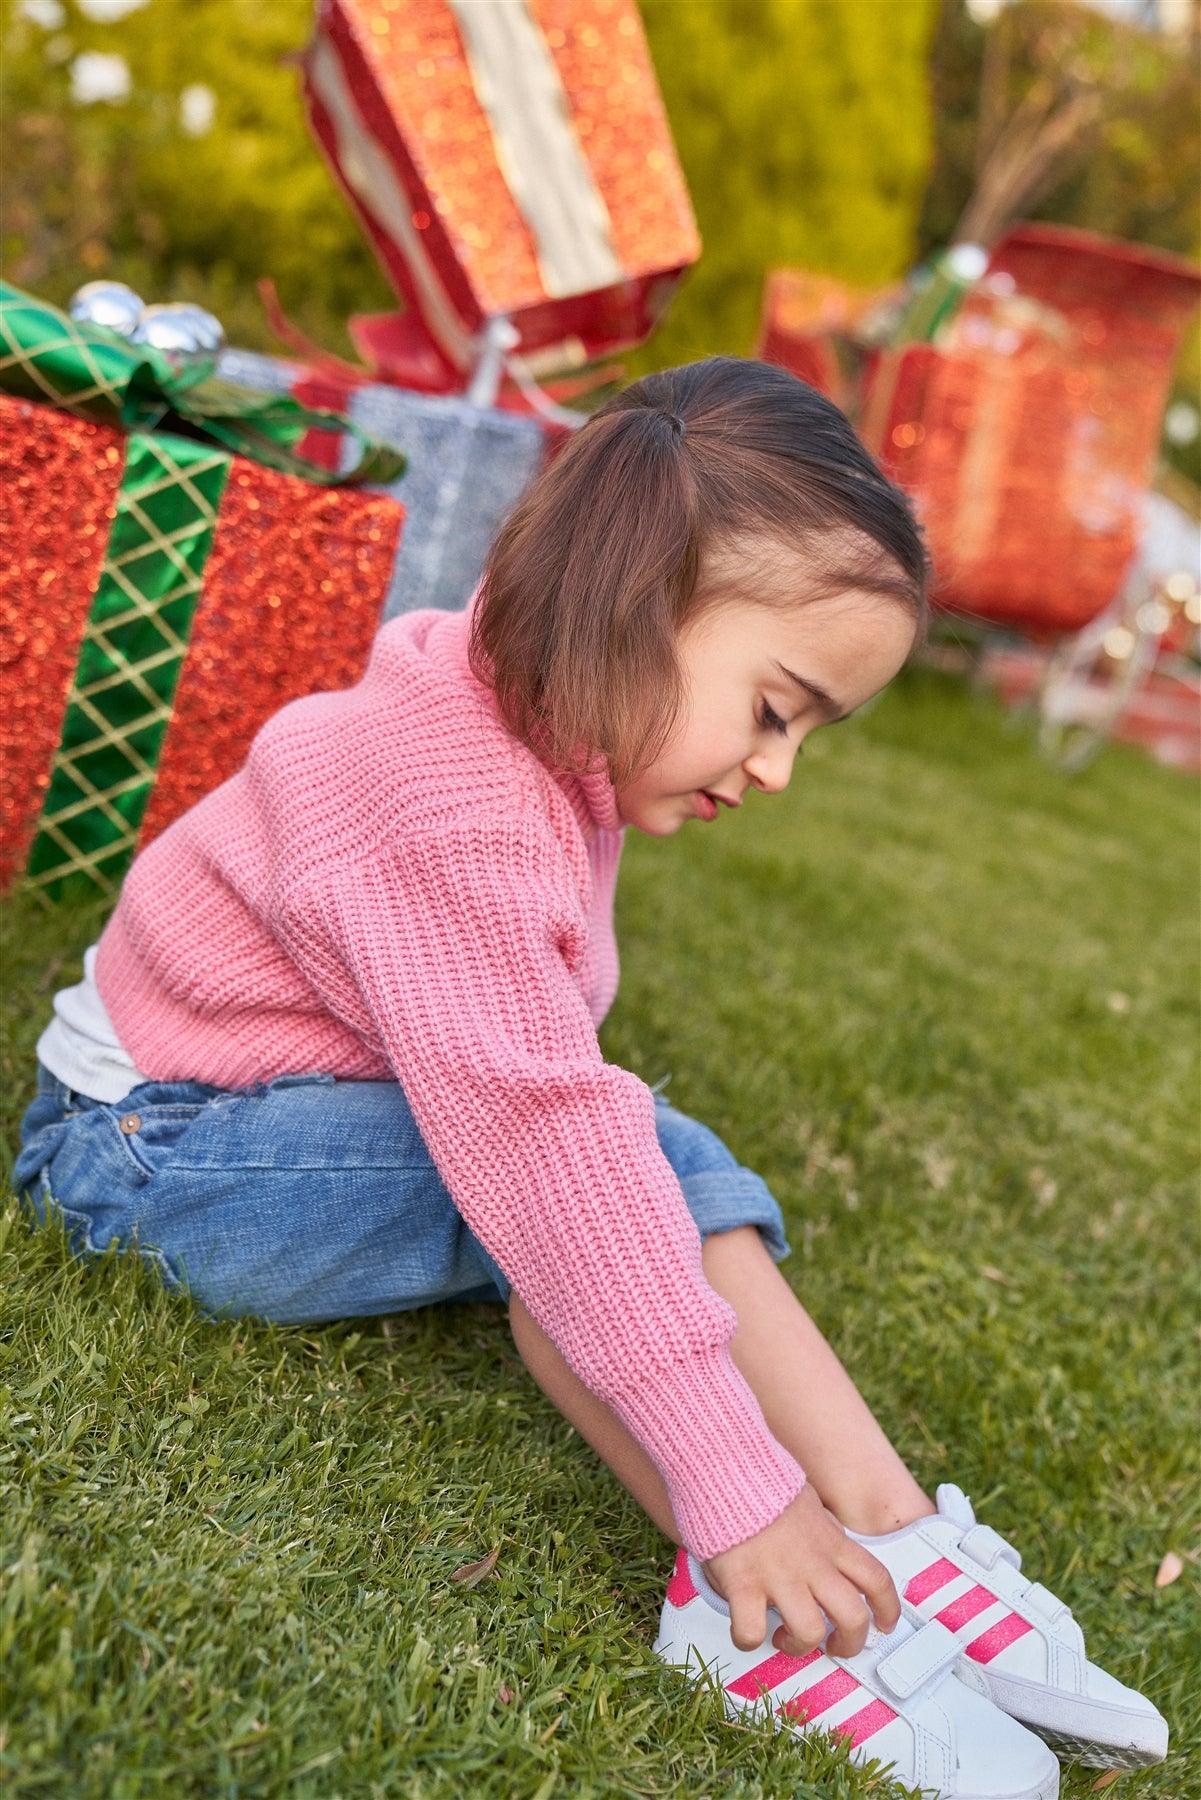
(335, 1053)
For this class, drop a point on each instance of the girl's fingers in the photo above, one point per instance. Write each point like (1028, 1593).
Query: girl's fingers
(845, 1607)
(804, 1626)
(748, 1619)
(872, 1579)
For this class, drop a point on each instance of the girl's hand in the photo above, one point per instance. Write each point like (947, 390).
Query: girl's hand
(804, 1565)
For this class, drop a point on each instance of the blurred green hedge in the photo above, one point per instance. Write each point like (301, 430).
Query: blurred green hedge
(805, 132)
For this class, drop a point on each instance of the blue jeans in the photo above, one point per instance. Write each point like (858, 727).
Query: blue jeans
(304, 1198)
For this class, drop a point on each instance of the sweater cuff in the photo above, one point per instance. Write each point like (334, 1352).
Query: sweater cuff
(727, 1477)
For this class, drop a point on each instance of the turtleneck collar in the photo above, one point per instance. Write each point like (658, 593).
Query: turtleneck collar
(590, 791)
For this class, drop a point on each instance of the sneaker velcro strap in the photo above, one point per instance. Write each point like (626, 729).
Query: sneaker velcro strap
(1042, 1601)
(987, 1547)
(929, 1652)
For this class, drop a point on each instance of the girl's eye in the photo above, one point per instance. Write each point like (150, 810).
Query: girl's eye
(771, 721)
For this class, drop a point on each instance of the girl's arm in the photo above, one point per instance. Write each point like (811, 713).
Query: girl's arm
(452, 951)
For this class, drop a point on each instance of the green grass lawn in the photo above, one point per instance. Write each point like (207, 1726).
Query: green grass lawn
(944, 1000)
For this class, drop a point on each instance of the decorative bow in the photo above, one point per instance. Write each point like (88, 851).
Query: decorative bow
(44, 355)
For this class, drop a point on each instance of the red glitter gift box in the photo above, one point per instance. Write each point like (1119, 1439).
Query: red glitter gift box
(508, 161)
(162, 598)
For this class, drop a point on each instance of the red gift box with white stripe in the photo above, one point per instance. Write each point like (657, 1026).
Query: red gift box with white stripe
(509, 160)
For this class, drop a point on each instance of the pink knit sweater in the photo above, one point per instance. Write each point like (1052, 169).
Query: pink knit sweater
(394, 887)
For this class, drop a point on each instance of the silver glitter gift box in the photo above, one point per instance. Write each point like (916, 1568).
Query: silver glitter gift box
(467, 466)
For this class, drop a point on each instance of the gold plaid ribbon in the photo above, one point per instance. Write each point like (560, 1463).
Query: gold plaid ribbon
(133, 647)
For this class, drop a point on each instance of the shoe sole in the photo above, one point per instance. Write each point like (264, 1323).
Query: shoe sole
(1023, 1700)
(1089, 1752)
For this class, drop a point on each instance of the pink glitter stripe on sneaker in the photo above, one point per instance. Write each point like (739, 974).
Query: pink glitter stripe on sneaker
(998, 1637)
(967, 1607)
(820, 1697)
(770, 1673)
(928, 1581)
(866, 1722)
(681, 1588)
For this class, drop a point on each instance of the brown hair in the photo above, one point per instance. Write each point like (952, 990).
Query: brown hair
(601, 563)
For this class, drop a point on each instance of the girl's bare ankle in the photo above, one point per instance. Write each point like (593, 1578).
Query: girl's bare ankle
(875, 1515)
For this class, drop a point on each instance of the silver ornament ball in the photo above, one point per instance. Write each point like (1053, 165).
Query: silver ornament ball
(187, 335)
(108, 304)
(206, 330)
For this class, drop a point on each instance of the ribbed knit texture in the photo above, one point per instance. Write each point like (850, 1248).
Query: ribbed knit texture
(394, 887)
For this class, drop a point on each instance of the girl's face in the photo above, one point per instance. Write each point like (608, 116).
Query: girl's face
(746, 719)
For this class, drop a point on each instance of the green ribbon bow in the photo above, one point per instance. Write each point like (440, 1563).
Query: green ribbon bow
(44, 355)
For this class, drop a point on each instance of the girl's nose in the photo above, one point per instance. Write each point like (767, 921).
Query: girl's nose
(770, 770)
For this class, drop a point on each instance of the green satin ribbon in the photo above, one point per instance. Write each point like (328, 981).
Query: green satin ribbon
(133, 647)
(44, 355)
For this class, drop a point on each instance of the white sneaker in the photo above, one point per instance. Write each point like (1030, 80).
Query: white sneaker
(897, 1701)
(1020, 1646)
